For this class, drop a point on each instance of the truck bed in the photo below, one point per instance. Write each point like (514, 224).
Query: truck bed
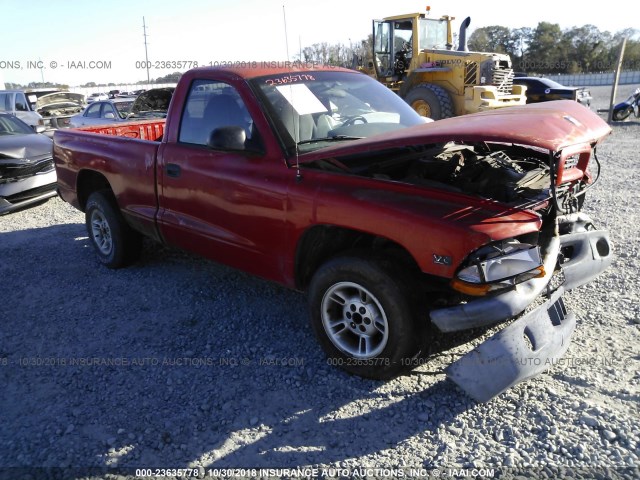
(143, 130)
(124, 154)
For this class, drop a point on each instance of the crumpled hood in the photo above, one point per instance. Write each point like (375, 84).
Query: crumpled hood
(59, 97)
(24, 148)
(548, 125)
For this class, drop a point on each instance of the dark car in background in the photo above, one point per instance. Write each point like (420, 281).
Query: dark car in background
(103, 112)
(544, 90)
(27, 174)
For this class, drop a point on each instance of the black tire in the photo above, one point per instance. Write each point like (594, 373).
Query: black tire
(430, 101)
(378, 335)
(622, 113)
(115, 242)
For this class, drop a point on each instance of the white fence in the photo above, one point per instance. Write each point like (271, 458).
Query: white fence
(123, 88)
(595, 79)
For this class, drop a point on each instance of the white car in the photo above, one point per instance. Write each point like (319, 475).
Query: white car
(15, 102)
(94, 97)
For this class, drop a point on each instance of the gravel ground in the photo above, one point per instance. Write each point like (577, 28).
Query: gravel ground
(178, 362)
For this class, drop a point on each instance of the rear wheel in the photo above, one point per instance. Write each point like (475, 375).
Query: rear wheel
(362, 314)
(115, 242)
(430, 101)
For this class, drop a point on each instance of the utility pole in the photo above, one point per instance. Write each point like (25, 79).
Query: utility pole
(616, 79)
(41, 71)
(146, 55)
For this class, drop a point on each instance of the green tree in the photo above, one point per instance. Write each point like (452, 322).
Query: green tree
(518, 46)
(631, 51)
(494, 38)
(546, 52)
(588, 48)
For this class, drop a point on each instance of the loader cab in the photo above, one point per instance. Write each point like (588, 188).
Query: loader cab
(393, 47)
(397, 41)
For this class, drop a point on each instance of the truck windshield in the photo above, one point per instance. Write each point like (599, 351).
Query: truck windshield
(432, 34)
(12, 126)
(312, 109)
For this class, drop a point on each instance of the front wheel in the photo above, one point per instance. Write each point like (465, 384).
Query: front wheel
(430, 101)
(362, 314)
(622, 113)
(115, 242)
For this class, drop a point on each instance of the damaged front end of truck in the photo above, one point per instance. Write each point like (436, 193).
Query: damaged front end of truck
(570, 251)
(505, 279)
(536, 159)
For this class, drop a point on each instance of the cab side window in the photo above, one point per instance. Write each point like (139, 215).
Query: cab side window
(93, 111)
(212, 105)
(21, 103)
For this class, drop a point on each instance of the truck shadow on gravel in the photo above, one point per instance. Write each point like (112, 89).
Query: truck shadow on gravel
(315, 434)
(177, 361)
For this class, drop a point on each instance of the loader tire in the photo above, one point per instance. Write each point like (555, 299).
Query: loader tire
(430, 101)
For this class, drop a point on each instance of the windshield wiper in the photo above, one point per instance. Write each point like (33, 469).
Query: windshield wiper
(329, 139)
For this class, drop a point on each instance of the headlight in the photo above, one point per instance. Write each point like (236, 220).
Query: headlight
(499, 266)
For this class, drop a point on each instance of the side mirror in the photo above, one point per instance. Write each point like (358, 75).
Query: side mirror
(109, 115)
(39, 128)
(228, 138)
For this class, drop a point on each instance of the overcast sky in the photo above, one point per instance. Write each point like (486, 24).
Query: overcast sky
(67, 36)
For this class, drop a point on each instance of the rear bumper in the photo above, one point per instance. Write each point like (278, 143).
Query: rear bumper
(535, 341)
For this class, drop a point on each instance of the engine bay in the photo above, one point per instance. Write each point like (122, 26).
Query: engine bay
(516, 175)
(60, 110)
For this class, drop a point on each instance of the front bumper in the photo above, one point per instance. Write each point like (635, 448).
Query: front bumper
(533, 342)
(521, 351)
(589, 254)
(487, 97)
(26, 192)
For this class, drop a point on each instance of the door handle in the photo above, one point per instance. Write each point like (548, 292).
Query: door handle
(173, 170)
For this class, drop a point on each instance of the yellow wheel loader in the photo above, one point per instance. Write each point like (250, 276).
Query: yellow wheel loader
(413, 55)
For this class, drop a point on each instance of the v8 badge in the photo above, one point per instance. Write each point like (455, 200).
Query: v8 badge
(441, 259)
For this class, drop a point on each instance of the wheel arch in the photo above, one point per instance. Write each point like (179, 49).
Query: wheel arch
(90, 181)
(320, 243)
(410, 82)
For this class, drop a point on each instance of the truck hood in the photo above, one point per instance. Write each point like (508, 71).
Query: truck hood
(58, 98)
(550, 125)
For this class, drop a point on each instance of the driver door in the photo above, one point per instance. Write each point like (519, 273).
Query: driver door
(383, 48)
(227, 204)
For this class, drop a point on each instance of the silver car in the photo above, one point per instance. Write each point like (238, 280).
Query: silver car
(103, 113)
(27, 174)
(56, 107)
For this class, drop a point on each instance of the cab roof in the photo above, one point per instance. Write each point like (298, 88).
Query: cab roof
(255, 69)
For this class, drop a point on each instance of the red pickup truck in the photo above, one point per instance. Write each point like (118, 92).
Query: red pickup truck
(325, 181)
